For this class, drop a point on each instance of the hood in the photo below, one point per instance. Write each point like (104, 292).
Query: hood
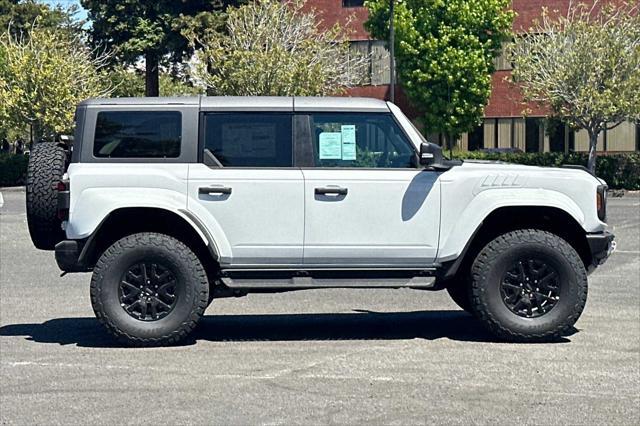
(487, 166)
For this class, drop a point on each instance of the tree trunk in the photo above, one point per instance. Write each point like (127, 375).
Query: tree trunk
(449, 140)
(151, 79)
(593, 141)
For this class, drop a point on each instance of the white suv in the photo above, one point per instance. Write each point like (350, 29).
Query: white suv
(173, 202)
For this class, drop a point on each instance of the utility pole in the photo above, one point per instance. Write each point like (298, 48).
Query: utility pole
(392, 59)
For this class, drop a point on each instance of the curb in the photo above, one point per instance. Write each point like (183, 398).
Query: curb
(12, 188)
(619, 193)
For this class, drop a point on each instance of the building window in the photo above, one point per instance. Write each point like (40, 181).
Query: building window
(476, 138)
(501, 62)
(352, 3)
(377, 71)
(532, 134)
(556, 132)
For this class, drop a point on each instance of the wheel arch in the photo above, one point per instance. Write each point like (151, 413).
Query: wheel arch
(130, 220)
(505, 219)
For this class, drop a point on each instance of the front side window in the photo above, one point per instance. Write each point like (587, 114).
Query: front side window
(138, 134)
(249, 139)
(360, 140)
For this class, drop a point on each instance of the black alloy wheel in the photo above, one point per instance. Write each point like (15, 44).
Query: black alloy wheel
(148, 291)
(530, 288)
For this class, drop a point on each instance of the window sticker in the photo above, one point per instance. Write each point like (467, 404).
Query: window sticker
(348, 142)
(330, 146)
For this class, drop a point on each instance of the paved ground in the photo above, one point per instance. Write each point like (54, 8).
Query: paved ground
(331, 356)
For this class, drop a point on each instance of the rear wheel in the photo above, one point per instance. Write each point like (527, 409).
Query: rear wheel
(149, 289)
(47, 164)
(528, 285)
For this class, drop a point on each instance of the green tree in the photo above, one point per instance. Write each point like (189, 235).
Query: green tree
(275, 48)
(444, 55)
(151, 29)
(19, 15)
(130, 83)
(4, 92)
(585, 66)
(43, 77)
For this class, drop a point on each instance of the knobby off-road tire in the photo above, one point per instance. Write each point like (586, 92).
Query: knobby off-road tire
(548, 262)
(47, 164)
(119, 306)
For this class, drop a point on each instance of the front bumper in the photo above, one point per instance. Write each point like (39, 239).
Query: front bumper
(601, 245)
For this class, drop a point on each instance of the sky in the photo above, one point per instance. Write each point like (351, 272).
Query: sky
(82, 14)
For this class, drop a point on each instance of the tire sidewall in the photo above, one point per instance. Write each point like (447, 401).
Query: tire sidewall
(48, 162)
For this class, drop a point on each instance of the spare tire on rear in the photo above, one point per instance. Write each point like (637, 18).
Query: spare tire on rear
(47, 164)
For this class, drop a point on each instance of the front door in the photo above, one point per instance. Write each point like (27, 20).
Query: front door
(248, 195)
(367, 203)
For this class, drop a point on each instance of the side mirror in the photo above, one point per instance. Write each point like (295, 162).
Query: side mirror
(430, 154)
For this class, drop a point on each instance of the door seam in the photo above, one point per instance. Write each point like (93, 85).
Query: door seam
(304, 213)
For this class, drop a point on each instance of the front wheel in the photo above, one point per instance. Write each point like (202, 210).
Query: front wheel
(149, 289)
(528, 285)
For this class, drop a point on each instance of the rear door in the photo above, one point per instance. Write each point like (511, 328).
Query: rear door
(367, 203)
(248, 194)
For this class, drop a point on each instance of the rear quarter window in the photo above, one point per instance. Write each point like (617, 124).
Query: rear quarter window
(138, 134)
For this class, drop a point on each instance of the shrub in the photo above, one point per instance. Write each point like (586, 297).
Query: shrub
(620, 171)
(13, 169)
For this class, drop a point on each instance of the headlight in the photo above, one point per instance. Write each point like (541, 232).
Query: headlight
(601, 202)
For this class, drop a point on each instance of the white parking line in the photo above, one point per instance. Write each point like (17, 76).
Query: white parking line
(1, 200)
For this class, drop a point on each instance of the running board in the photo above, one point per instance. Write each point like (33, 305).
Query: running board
(311, 282)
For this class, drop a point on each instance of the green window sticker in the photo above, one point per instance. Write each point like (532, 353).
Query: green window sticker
(330, 146)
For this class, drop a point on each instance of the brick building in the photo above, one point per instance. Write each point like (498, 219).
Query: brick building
(504, 125)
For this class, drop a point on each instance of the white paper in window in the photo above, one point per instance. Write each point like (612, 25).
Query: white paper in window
(330, 146)
(348, 142)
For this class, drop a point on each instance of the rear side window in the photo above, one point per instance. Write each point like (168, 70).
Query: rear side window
(138, 134)
(249, 139)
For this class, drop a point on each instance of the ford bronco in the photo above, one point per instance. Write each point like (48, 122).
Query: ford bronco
(174, 202)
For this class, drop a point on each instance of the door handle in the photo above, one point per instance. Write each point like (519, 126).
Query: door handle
(217, 190)
(331, 190)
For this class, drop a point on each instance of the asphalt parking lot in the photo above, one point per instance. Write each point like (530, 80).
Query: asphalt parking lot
(314, 357)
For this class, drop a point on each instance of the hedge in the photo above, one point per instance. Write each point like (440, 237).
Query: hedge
(621, 171)
(13, 169)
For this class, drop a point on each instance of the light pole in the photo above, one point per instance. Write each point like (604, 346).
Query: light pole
(392, 60)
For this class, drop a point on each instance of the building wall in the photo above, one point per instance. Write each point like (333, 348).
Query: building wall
(332, 12)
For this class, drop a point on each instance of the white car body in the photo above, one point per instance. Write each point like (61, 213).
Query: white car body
(391, 217)
(174, 202)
